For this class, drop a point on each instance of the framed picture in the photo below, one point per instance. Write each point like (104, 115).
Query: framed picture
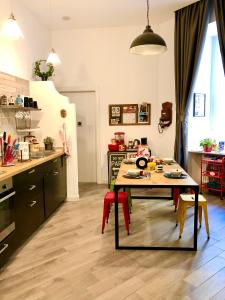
(129, 114)
(144, 113)
(199, 105)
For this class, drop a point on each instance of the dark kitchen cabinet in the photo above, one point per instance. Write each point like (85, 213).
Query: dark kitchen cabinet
(29, 202)
(39, 191)
(55, 191)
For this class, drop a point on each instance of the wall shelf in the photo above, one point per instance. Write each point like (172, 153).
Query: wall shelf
(15, 107)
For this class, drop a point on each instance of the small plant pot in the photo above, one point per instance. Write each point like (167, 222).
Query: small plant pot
(207, 148)
(49, 146)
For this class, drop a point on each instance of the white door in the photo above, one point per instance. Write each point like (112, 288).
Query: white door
(86, 134)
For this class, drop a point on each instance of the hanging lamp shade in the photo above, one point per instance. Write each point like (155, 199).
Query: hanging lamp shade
(11, 29)
(148, 43)
(53, 58)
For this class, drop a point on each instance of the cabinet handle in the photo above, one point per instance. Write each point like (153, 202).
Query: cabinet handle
(4, 248)
(7, 197)
(32, 187)
(33, 203)
(55, 173)
(31, 172)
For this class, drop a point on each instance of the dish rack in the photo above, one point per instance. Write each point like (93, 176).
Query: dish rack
(213, 174)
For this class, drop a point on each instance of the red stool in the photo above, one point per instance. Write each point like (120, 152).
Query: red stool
(108, 200)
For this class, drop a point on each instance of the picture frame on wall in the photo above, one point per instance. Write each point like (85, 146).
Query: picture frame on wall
(199, 105)
(144, 114)
(129, 114)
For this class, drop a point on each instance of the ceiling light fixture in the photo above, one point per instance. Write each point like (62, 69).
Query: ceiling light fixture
(53, 57)
(148, 43)
(11, 29)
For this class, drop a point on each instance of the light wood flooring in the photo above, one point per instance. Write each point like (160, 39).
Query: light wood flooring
(69, 258)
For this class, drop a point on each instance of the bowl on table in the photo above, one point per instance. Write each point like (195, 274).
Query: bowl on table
(176, 173)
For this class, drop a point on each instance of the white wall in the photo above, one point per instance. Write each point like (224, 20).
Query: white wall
(17, 57)
(99, 59)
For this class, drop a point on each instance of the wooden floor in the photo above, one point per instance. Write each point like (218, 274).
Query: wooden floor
(69, 258)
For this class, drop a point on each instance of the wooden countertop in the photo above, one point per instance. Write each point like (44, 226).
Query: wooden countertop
(157, 179)
(6, 172)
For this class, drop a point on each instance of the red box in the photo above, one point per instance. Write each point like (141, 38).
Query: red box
(112, 147)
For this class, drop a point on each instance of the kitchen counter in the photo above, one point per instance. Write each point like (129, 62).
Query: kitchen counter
(6, 172)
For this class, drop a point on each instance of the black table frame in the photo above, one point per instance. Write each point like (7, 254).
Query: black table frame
(195, 188)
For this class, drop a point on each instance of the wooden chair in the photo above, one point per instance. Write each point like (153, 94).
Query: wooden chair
(186, 200)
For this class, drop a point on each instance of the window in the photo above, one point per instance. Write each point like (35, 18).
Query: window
(210, 80)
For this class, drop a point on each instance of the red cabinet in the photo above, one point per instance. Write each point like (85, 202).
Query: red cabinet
(213, 174)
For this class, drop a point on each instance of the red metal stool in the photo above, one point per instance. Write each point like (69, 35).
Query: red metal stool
(109, 199)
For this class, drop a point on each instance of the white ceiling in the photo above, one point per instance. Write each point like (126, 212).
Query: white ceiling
(101, 13)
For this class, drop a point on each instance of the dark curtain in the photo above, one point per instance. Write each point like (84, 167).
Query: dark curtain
(190, 29)
(219, 6)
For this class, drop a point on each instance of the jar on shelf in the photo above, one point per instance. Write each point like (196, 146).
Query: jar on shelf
(119, 136)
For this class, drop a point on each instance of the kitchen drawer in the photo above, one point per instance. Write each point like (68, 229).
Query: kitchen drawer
(29, 215)
(7, 247)
(26, 179)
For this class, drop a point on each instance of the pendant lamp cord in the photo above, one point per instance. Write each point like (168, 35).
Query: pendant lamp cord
(148, 12)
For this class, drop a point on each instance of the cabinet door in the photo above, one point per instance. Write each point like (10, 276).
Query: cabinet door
(55, 185)
(7, 247)
(29, 202)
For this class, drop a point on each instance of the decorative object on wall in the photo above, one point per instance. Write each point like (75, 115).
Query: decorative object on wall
(63, 113)
(199, 105)
(129, 114)
(53, 57)
(43, 70)
(148, 43)
(166, 116)
(11, 29)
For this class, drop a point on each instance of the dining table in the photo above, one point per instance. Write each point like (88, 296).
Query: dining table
(155, 180)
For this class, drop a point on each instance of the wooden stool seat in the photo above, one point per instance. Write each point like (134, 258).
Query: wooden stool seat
(186, 200)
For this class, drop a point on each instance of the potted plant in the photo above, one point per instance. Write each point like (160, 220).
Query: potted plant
(43, 70)
(208, 144)
(48, 141)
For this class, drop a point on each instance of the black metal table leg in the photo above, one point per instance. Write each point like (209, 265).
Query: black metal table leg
(116, 218)
(196, 189)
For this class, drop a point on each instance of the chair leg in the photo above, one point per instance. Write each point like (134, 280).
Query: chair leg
(182, 219)
(126, 215)
(176, 193)
(200, 215)
(179, 212)
(206, 219)
(129, 199)
(105, 215)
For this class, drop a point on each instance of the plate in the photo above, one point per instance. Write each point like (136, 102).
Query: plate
(132, 176)
(169, 175)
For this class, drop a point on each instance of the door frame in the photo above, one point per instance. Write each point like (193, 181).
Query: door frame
(95, 90)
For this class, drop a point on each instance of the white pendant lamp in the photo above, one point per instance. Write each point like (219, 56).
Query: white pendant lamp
(11, 29)
(148, 43)
(53, 58)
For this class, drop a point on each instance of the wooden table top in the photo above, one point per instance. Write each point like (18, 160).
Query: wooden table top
(156, 179)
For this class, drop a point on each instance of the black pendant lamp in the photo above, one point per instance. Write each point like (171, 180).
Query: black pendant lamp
(148, 43)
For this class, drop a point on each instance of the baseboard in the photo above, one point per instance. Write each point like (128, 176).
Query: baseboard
(73, 199)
